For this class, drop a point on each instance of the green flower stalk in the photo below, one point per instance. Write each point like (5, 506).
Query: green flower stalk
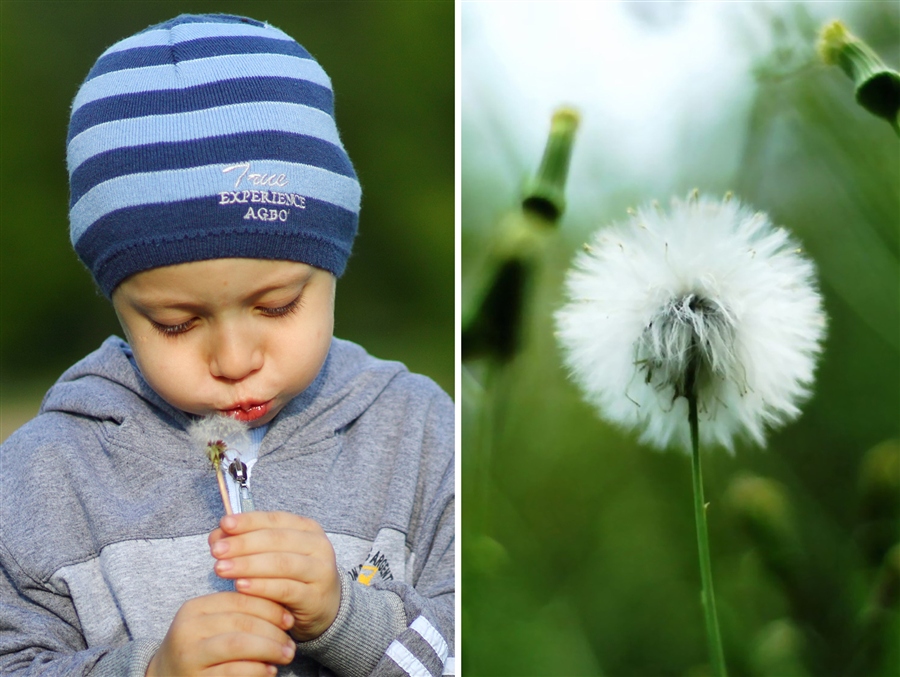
(877, 85)
(492, 326)
(707, 594)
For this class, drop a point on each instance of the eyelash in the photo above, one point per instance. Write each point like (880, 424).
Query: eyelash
(173, 330)
(283, 311)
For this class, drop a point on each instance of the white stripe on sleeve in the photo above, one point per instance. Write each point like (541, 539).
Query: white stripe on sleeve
(432, 636)
(410, 664)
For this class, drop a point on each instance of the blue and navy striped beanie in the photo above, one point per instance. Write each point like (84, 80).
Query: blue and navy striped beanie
(207, 136)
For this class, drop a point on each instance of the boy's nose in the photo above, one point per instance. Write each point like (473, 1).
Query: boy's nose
(233, 356)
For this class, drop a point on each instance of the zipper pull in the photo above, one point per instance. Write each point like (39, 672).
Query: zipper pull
(238, 472)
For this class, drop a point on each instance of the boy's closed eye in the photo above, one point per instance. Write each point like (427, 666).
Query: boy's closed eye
(170, 329)
(281, 311)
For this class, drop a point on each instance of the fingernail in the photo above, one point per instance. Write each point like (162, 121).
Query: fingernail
(271, 669)
(242, 584)
(288, 651)
(287, 620)
(220, 548)
(228, 522)
(224, 565)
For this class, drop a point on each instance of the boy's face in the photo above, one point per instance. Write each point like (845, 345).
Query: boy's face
(240, 337)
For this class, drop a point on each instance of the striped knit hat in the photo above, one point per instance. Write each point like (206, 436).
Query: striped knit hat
(205, 137)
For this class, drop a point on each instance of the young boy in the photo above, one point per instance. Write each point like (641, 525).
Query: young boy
(213, 202)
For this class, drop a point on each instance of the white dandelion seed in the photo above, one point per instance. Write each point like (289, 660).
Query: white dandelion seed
(710, 284)
(213, 435)
(217, 430)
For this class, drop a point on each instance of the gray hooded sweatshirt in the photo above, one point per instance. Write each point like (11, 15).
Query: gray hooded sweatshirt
(105, 510)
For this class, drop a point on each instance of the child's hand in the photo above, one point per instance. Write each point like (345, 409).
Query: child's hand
(284, 558)
(225, 633)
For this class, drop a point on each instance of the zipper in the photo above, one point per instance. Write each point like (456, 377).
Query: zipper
(240, 473)
(237, 466)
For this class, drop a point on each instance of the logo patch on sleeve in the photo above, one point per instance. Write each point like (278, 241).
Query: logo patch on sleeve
(376, 564)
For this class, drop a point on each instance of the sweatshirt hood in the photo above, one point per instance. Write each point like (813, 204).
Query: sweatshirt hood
(107, 386)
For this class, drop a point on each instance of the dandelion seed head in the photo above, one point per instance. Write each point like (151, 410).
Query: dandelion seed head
(688, 335)
(706, 283)
(214, 434)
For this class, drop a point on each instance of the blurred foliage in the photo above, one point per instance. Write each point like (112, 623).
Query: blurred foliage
(579, 551)
(392, 67)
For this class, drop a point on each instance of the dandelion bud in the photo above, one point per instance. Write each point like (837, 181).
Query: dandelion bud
(877, 86)
(878, 622)
(486, 556)
(762, 508)
(545, 195)
(879, 479)
(777, 650)
(887, 589)
(879, 493)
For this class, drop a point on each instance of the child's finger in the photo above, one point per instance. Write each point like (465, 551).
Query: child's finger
(260, 519)
(288, 592)
(216, 535)
(281, 565)
(240, 646)
(239, 637)
(234, 602)
(241, 669)
(271, 540)
(227, 623)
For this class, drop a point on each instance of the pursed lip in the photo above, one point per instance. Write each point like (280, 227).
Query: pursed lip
(248, 411)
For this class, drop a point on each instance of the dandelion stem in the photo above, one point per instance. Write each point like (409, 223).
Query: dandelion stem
(222, 490)
(708, 598)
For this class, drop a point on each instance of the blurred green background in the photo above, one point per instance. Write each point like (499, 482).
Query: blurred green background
(392, 67)
(579, 549)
